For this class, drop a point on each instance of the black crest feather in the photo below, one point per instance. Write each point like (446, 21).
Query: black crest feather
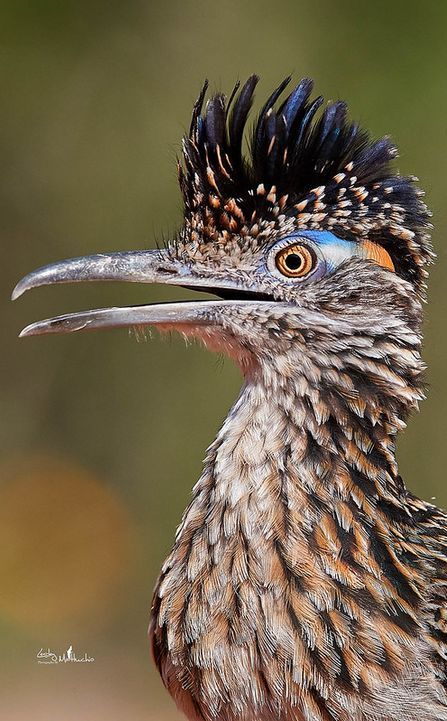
(324, 171)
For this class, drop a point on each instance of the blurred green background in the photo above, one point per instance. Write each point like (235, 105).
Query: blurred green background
(103, 436)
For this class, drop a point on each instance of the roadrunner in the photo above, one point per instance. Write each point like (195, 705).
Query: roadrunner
(306, 583)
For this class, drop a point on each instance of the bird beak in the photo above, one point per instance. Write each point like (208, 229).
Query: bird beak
(142, 266)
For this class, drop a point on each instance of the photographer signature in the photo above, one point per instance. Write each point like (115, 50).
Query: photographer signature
(69, 656)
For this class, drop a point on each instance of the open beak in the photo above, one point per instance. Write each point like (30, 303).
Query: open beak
(141, 266)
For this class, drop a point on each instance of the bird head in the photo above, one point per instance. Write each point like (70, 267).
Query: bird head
(310, 241)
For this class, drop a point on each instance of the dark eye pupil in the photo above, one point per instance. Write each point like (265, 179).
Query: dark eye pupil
(294, 261)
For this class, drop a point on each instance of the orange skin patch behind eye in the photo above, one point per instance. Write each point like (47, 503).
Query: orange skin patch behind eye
(378, 254)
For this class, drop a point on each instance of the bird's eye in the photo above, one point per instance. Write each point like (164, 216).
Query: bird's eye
(295, 261)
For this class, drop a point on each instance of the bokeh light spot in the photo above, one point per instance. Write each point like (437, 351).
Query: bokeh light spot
(65, 542)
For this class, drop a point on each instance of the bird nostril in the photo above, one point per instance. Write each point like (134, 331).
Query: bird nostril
(163, 270)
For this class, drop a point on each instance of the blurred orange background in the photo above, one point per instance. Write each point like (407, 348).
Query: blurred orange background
(103, 436)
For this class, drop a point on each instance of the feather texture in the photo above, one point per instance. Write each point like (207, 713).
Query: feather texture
(293, 152)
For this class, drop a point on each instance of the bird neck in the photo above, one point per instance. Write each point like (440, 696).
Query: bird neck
(335, 442)
(303, 472)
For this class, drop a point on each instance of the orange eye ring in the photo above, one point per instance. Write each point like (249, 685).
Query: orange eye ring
(295, 261)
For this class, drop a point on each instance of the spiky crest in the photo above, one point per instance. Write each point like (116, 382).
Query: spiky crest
(324, 173)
